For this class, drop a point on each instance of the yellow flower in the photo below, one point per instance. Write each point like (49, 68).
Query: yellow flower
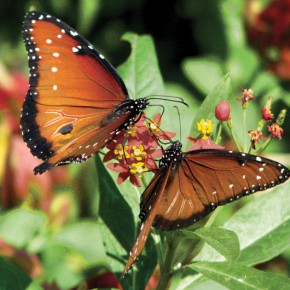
(138, 168)
(132, 131)
(120, 151)
(205, 127)
(138, 152)
(153, 128)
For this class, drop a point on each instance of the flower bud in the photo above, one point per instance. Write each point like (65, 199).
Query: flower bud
(222, 111)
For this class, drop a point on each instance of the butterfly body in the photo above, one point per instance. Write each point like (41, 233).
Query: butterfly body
(77, 102)
(190, 185)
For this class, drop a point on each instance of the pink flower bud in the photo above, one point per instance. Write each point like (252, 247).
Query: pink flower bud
(222, 111)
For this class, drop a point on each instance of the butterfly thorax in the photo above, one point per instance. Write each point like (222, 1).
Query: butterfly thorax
(172, 155)
(135, 109)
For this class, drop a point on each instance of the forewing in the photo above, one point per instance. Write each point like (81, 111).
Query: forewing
(73, 88)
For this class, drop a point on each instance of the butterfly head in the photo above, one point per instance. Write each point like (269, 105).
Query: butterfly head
(134, 107)
(172, 154)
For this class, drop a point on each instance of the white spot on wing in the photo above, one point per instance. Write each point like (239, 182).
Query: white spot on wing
(48, 41)
(73, 33)
(54, 69)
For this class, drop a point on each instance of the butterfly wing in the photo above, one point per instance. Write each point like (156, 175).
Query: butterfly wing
(154, 190)
(73, 89)
(207, 178)
(188, 186)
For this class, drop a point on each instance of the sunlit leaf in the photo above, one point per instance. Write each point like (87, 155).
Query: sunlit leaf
(19, 226)
(235, 276)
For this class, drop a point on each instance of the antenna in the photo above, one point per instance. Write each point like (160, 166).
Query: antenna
(179, 121)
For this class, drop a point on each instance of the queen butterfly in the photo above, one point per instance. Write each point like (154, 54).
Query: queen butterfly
(76, 101)
(190, 185)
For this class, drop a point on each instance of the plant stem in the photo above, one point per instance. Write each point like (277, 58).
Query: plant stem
(165, 270)
(235, 141)
(159, 246)
(244, 129)
(266, 144)
(218, 136)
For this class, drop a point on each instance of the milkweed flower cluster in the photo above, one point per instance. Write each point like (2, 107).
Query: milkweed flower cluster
(204, 142)
(134, 151)
(274, 129)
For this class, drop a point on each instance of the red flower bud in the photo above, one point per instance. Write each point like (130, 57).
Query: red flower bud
(222, 111)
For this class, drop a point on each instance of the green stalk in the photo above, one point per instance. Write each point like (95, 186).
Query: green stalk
(165, 269)
(244, 129)
(218, 136)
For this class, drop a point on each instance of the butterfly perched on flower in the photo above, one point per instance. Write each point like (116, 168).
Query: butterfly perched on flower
(190, 185)
(76, 101)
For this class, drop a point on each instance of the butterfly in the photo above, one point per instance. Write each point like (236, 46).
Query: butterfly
(77, 102)
(190, 185)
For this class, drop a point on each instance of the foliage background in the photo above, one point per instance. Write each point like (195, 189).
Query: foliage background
(68, 240)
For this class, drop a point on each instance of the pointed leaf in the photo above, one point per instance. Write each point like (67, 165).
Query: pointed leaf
(207, 109)
(141, 71)
(263, 226)
(114, 209)
(235, 276)
(224, 241)
(203, 73)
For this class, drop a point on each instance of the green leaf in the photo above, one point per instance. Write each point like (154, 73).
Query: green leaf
(85, 237)
(207, 109)
(12, 277)
(242, 64)
(87, 14)
(264, 83)
(141, 72)
(224, 241)
(203, 73)
(142, 77)
(19, 226)
(114, 209)
(35, 285)
(235, 276)
(263, 226)
(231, 15)
(63, 265)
